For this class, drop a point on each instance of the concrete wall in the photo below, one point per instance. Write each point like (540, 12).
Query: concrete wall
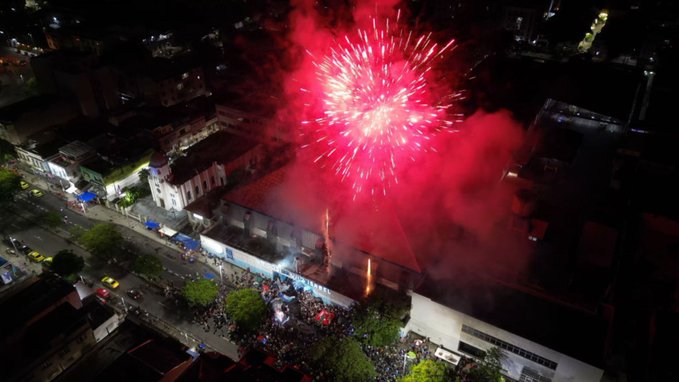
(443, 326)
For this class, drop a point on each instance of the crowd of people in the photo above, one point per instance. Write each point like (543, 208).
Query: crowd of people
(295, 326)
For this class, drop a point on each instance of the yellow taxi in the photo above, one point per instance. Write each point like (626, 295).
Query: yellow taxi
(24, 184)
(48, 261)
(35, 256)
(110, 282)
(37, 193)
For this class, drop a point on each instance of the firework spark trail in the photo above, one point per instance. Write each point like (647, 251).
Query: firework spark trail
(376, 108)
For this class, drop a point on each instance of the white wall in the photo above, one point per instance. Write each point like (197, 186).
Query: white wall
(444, 327)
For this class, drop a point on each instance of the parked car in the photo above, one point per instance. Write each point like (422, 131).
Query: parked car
(37, 193)
(110, 282)
(135, 294)
(103, 293)
(24, 185)
(36, 256)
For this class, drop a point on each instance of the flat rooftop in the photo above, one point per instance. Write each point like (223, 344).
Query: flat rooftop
(573, 332)
(384, 238)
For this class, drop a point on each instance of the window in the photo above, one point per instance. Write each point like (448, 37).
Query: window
(508, 347)
(471, 350)
(212, 180)
(158, 190)
(174, 202)
(188, 195)
(205, 185)
(197, 191)
(222, 179)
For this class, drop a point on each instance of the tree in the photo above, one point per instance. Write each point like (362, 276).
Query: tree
(428, 371)
(201, 292)
(9, 186)
(344, 359)
(489, 368)
(7, 151)
(376, 328)
(66, 262)
(247, 308)
(102, 240)
(148, 265)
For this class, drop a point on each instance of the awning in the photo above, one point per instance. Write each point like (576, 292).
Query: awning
(447, 356)
(188, 242)
(86, 196)
(209, 276)
(72, 189)
(167, 231)
(151, 224)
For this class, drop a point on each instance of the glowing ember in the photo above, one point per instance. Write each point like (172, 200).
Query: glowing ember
(376, 104)
(368, 278)
(326, 235)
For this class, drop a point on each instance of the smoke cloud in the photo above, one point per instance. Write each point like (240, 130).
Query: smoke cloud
(451, 205)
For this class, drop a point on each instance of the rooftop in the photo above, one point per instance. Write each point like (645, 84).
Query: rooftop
(14, 111)
(220, 147)
(25, 303)
(573, 332)
(385, 239)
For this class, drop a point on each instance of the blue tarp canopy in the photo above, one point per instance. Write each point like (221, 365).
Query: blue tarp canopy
(209, 276)
(87, 196)
(188, 242)
(151, 224)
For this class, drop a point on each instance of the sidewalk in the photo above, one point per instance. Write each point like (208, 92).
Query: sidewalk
(100, 213)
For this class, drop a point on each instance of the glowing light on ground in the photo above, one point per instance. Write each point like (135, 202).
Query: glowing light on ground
(378, 108)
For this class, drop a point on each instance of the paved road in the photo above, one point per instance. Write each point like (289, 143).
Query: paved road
(27, 213)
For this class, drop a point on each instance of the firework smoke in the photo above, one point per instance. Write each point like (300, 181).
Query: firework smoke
(452, 207)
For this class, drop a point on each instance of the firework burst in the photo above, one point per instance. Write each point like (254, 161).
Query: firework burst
(378, 108)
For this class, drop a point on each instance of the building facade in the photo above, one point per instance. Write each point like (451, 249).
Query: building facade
(525, 360)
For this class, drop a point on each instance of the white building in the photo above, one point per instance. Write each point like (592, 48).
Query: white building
(65, 165)
(204, 167)
(555, 344)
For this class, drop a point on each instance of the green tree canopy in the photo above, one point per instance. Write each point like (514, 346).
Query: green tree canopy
(7, 151)
(489, 368)
(344, 359)
(102, 241)
(200, 292)
(9, 186)
(428, 371)
(247, 308)
(376, 328)
(66, 262)
(148, 265)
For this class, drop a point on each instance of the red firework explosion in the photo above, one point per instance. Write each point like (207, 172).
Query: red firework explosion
(376, 108)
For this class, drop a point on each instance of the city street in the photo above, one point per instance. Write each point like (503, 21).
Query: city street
(25, 225)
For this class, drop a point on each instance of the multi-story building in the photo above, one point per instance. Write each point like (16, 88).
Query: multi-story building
(111, 171)
(20, 120)
(49, 328)
(252, 116)
(65, 165)
(83, 39)
(165, 82)
(79, 75)
(209, 164)
(541, 340)
(251, 229)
